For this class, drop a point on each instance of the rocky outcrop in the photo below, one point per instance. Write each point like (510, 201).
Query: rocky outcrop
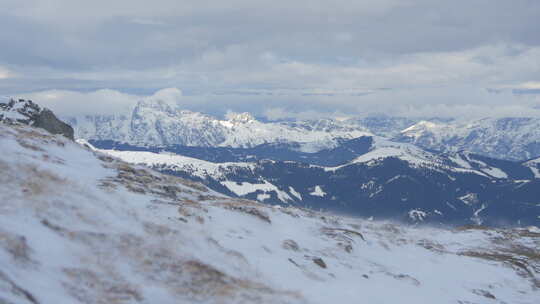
(27, 112)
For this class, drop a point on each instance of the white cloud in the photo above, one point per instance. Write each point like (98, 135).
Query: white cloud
(463, 101)
(281, 113)
(305, 56)
(5, 73)
(105, 101)
(529, 85)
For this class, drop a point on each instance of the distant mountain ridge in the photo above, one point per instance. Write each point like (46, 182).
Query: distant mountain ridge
(346, 151)
(155, 123)
(504, 138)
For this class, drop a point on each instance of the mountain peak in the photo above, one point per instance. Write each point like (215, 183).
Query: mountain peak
(19, 110)
(22, 111)
(241, 117)
(157, 104)
(421, 125)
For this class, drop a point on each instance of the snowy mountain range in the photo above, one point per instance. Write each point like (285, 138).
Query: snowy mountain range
(158, 123)
(155, 123)
(504, 138)
(79, 226)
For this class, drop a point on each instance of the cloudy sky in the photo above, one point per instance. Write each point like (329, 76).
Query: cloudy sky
(276, 58)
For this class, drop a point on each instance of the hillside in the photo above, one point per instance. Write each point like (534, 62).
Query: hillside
(81, 227)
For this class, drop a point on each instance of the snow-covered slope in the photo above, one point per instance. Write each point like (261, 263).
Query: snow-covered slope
(380, 150)
(455, 188)
(504, 138)
(157, 123)
(81, 227)
(534, 165)
(169, 161)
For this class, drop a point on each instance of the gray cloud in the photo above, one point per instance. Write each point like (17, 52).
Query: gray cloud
(406, 56)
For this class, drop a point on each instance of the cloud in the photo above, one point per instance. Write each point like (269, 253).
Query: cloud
(104, 101)
(5, 73)
(303, 56)
(435, 102)
(283, 114)
(529, 85)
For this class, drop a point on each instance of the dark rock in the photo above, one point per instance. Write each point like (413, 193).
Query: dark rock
(290, 245)
(319, 262)
(48, 121)
(29, 113)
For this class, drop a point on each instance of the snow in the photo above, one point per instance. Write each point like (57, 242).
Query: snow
(263, 197)
(295, 193)
(244, 188)
(318, 191)
(417, 215)
(175, 162)
(417, 129)
(534, 165)
(469, 198)
(492, 171)
(13, 115)
(383, 148)
(533, 229)
(460, 161)
(393, 179)
(533, 161)
(505, 138)
(464, 160)
(156, 123)
(495, 172)
(79, 227)
(535, 171)
(476, 218)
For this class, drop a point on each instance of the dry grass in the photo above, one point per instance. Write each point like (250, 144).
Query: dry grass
(473, 227)
(290, 245)
(89, 287)
(344, 237)
(26, 134)
(431, 245)
(40, 180)
(247, 207)
(16, 246)
(520, 264)
(17, 290)
(144, 181)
